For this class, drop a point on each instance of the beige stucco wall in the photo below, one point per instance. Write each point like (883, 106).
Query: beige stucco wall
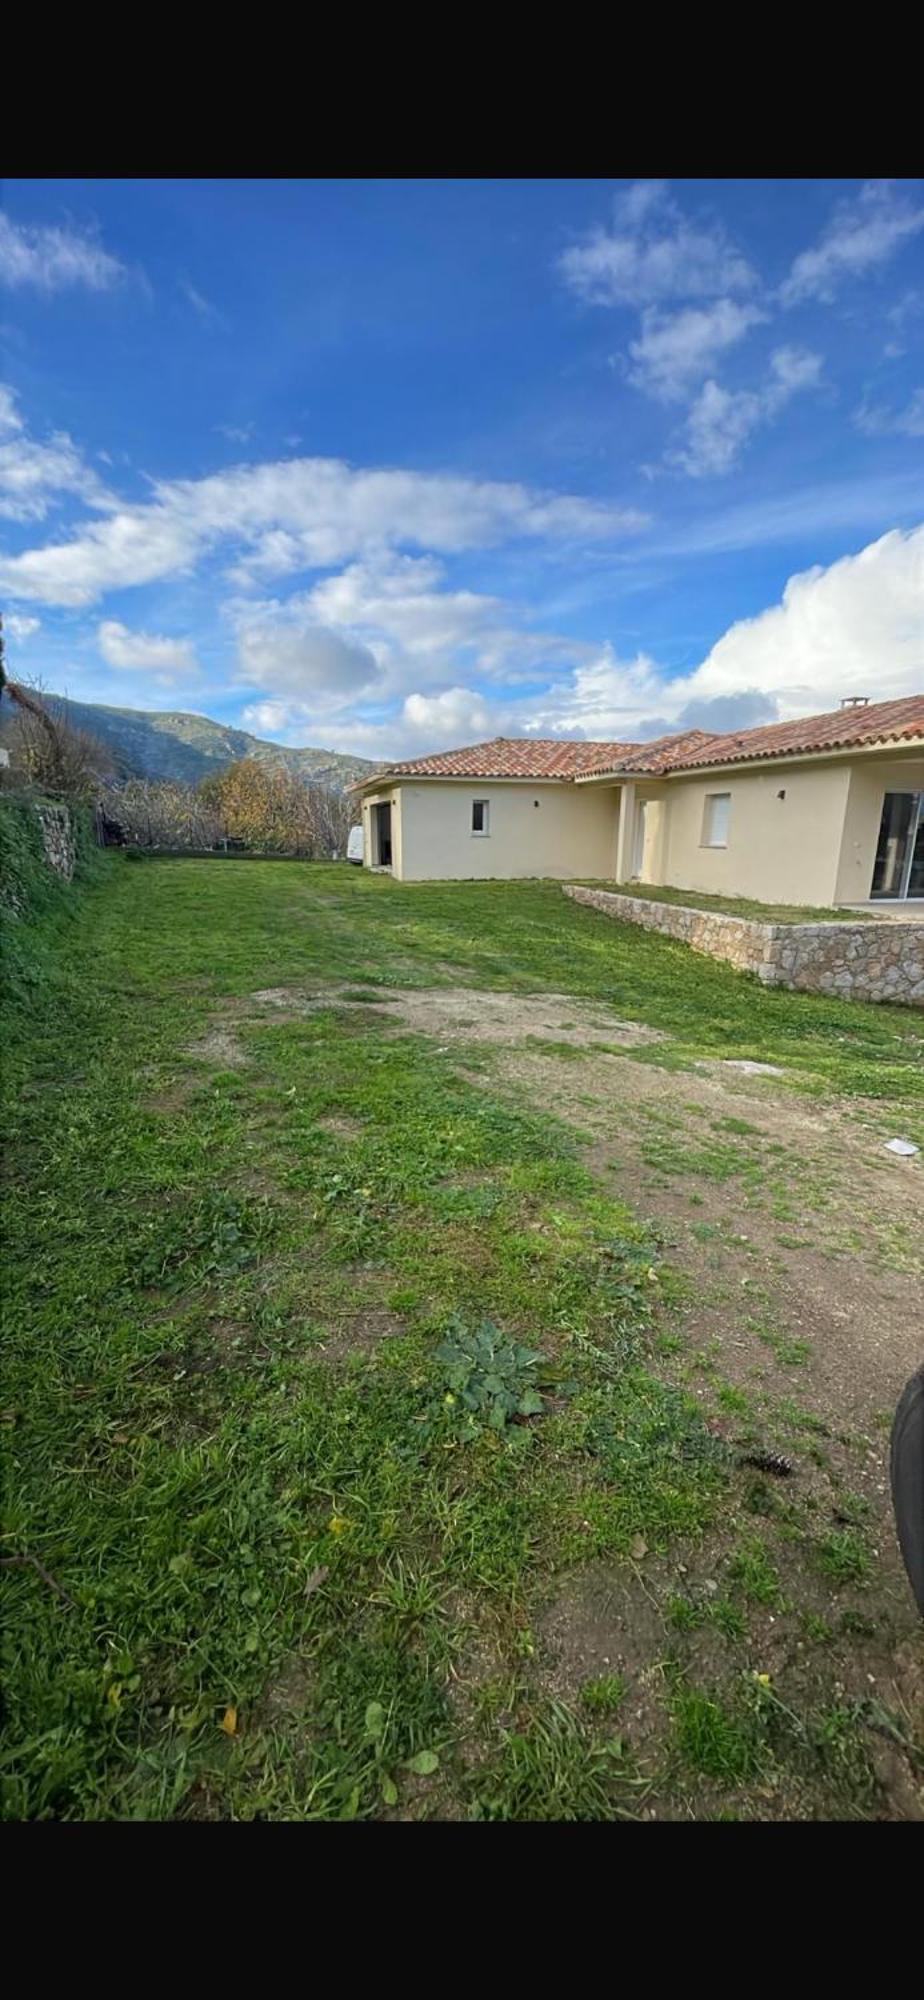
(815, 845)
(780, 850)
(536, 829)
(868, 784)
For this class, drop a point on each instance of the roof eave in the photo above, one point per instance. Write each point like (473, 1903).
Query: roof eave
(463, 778)
(826, 753)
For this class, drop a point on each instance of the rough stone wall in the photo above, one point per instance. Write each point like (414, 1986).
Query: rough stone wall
(853, 960)
(57, 837)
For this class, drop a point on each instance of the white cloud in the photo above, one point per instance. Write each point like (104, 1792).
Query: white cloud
(861, 235)
(721, 421)
(236, 433)
(20, 629)
(301, 514)
(284, 648)
(852, 628)
(34, 474)
(674, 351)
(10, 419)
(402, 600)
(202, 306)
(856, 627)
(879, 421)
(129, 650)
(54, 259)
(397, 610)
(654, 252)
(456, 710)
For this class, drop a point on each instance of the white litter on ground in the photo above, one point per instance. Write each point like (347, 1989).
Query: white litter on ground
(903, 1147)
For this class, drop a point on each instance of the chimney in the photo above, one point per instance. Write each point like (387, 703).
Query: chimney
(855, 701)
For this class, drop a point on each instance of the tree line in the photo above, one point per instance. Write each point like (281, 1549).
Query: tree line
(254, 804)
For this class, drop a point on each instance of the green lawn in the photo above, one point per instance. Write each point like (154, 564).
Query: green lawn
(323, 1361)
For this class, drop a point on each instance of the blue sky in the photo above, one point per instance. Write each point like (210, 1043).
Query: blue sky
(392, 465)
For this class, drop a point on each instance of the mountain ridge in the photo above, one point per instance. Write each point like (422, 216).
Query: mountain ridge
(181, 745)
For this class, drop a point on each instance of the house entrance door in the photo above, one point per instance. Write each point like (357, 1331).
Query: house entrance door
(381, 836)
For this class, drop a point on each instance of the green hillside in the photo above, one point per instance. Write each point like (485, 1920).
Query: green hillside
(168, 744)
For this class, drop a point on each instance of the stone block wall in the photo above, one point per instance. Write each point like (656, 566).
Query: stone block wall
(58, 837)
(854, 960)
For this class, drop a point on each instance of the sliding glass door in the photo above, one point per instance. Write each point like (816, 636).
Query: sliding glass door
(899, 866)
(916, 868)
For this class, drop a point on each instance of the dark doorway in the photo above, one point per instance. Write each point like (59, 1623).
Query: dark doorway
(381, 836)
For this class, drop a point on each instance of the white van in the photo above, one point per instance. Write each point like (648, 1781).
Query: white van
(355, 845)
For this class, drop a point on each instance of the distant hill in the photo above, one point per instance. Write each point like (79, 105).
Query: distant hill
(168, 744)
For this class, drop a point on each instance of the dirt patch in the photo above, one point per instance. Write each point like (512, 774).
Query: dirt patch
(739, 1145)
(606, 1621)
(796, 1241)
(220, 1048)
(289, 1000)
(230, 1336)
(747, 1067)
(287, 1695)
(173, 1098)
(471, 1014)
(798, 1291)
(342, 1127)
(355, 1332)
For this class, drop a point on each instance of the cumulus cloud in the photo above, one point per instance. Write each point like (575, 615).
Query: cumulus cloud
(403, 599)
(282, 649)
(49, 259)
(35, 474)
(300, 514)
(861, 236)
(652, 252)
(675, 351)
(854, 627)
(129, 650)
(420, 633)
(721, 421)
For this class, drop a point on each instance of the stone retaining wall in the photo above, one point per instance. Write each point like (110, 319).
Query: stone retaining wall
(57, 837)
(853, 960)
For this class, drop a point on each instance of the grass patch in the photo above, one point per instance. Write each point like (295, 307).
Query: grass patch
(733, 906)
(844, 1557)
(604, 1695)
(753, 1572)
(236, 1302)
(711, 1740)
(556, 1769)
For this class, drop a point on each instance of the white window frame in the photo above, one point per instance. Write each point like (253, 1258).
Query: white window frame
(710, 802)
(483, 831)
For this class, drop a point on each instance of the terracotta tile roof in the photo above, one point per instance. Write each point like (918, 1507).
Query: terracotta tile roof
(509, 757)
(838, 729)
(566, 759)
(657, 755)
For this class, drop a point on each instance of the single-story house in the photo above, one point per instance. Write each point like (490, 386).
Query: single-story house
(827, 810)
